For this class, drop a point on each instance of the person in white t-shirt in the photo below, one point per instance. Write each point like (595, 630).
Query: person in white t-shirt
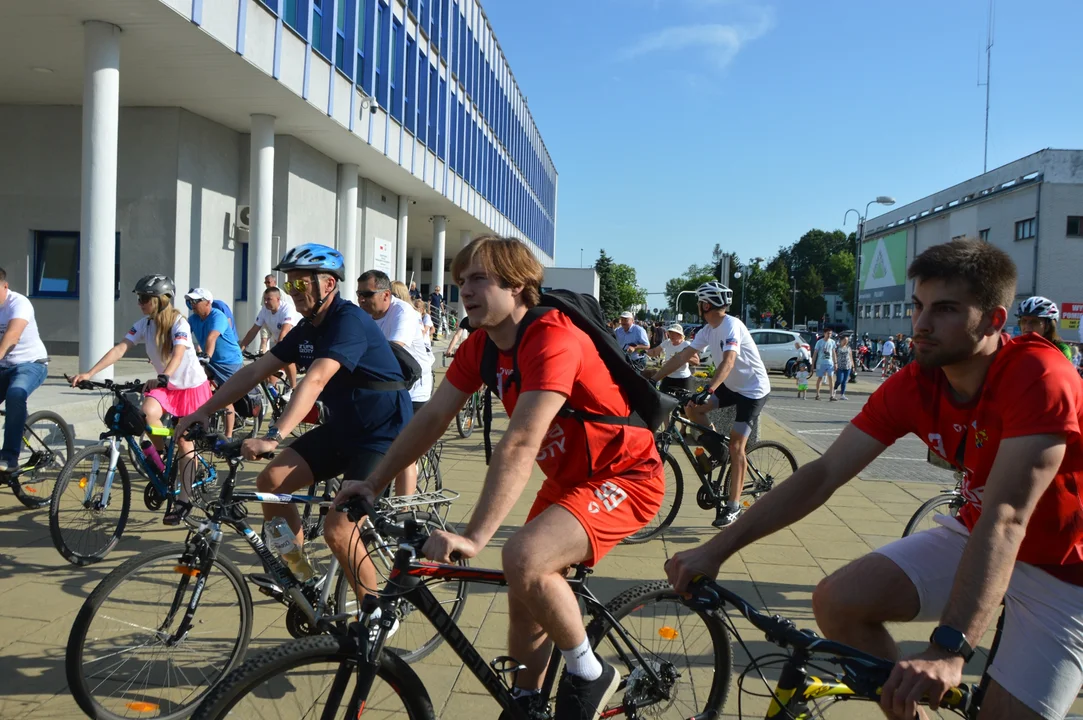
(681, 377)
(740, 379)
(401, 325)
(277, 318)
(23, 367)
(265, 334)
(181, 386)
(427, 327)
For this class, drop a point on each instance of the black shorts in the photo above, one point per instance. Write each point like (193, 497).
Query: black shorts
(328, 455)
(747, 408)
(417, 405)
(688, 383)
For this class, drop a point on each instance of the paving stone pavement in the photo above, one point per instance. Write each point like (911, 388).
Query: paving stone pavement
(40, 593)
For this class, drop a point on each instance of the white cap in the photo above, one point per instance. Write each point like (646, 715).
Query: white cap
(675, 327)
(198, 294)
(627, 314)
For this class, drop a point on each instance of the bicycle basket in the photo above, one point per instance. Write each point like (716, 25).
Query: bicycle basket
(125, 416)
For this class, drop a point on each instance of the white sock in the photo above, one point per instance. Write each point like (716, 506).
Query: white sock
(582, 662)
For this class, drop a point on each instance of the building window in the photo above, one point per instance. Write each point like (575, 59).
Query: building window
(898, 310)
(908, 310)
(983, 235)
(317, 27)
(360, 72)
(1075, 226)
(289, 13)
(838, 306)
(56, 265)
(242, 275)
(1024, 229)
(340, 36)
(876, 311)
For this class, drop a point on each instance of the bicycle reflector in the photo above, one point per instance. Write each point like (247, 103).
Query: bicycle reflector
(82, 483)
(667, 633)
(185, 570)
(143, 707)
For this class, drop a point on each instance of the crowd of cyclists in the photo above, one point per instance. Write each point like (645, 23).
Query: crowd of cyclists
(1005, 410)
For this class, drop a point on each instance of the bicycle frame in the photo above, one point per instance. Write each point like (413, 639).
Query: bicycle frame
(666, 439)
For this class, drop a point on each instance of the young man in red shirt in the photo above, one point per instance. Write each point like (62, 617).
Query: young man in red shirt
(1008, 412)
(602, 482)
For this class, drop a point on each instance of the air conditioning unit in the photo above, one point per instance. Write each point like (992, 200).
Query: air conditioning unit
(243, 212)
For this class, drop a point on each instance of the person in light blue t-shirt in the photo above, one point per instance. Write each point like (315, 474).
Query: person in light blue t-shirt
(631, 337)
(217, 340)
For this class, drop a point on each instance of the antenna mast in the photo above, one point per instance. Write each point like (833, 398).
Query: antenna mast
(988, 69)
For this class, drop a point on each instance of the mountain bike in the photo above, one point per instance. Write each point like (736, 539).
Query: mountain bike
(471, 415)
(91, 501)
(275, 400)
(49, 440)
(675, 661)
(769, 462)
(947, 503)
(158, 632)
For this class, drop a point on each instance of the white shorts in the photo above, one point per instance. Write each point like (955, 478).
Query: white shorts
(1040, 658)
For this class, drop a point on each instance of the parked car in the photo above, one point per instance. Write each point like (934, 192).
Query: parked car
(776, 347)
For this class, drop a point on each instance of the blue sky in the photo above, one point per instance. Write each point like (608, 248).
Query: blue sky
(676, 124)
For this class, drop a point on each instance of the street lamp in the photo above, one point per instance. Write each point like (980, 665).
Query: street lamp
(793, 308)
(880, 200)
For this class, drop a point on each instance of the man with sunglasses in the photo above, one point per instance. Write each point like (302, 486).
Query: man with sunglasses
(351, 369)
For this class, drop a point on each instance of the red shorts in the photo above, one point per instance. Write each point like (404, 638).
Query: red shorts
(609, 510)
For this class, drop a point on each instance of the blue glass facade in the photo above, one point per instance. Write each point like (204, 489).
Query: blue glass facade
(489, 138)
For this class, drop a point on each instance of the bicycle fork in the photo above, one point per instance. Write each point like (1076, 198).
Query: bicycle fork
(95, 468)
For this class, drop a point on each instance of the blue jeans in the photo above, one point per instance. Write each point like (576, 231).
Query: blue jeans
(16, 384)
(841, 378)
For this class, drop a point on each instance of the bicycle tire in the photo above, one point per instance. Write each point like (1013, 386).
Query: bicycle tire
(34, 487)
(237, 694)
(455, 590)
(429, 478)
(768, 473)
(464, 419)
(96, 551)
(944, 504)
(671, 504)
(94, 607)
(646, 599)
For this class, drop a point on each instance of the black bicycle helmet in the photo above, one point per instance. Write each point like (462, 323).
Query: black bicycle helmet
(155, 285)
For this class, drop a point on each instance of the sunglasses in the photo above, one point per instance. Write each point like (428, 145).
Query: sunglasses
(297, 286)
(366, 294)
(144, 299)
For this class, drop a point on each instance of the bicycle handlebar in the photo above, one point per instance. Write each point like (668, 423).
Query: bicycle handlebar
(108, 385)
(215, 443)
(251, 356)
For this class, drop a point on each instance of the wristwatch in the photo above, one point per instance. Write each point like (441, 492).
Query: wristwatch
(953, 641)
(273, 434)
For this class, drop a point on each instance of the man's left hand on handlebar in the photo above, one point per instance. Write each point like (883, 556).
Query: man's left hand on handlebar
(687, 565)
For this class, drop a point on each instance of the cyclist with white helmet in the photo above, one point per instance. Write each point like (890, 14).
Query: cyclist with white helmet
(351, 369)
(1039, 315)
(181, 385)
(740, 379)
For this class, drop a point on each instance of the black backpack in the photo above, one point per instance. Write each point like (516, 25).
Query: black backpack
(650, 408)
(411, 372)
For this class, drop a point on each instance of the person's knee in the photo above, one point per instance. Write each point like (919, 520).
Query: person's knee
(17, 395)
(522, 571)
(338, 532)
(869, 591)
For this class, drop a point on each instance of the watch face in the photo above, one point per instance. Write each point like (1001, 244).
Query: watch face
(951, 640)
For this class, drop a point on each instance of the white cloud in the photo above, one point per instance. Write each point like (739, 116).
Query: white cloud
(720, 42)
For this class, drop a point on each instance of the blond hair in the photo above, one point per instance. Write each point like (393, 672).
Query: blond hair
(163, 317)
(506, 259)
(399, 290)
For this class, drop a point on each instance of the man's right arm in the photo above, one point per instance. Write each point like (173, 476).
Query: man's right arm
(807, 489)
(249, 336)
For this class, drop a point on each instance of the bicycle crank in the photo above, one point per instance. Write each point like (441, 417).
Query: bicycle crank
(298, 625)
(152, 499)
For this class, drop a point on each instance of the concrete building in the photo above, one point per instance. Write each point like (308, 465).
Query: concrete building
(201, 139)
(1032, 208)
(837, 312)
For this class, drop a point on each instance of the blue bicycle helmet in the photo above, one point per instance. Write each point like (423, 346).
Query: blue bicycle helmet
(314, 257)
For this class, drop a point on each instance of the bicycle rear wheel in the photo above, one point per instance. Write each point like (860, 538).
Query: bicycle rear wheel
(49, 440)
(122, 658)
(671, 503)
(769, 463)
(688, 649)
(416, 637)
(315, 677)
(428, 470)
(464, 420)
(947, 503)
(84, 525)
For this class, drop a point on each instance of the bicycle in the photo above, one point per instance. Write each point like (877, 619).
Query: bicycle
(49, 440)
(86, 491)
(164, 626)
(948, 502)
(471, 414)
(768, 462)
(274, 399)
(319, 671)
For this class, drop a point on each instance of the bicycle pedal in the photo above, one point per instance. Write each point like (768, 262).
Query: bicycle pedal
(266, 585)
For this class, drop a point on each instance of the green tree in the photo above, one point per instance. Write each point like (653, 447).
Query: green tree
(629, 292)
(768, 289)
(607, 286)
(688, 281)
(842, 272)
(810, 295)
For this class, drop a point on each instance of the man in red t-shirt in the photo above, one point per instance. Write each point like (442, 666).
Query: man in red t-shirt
(1008, 413)
(603, 482)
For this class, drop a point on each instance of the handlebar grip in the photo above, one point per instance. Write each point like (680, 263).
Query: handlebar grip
(456, 556)
(357, 508)
(703, 594)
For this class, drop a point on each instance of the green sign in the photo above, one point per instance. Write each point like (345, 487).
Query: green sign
(883, 269)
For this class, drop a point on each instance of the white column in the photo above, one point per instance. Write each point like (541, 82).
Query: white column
(348, 243)
(261, 172)
(465, 236)
(439, 241)
(417, 268)
(98, 221)
(400, 239)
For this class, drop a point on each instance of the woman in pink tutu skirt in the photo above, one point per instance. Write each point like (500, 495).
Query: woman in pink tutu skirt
(181, 385)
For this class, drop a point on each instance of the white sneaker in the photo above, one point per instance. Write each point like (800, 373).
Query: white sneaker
(5, 466)
(374, 626)
(287, 395)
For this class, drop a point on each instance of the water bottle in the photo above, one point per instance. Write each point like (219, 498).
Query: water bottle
(703, 460)
(284, 541)
(152, 454)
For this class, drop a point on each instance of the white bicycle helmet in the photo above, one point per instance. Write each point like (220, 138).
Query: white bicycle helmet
(1038, 306)
(715, 294)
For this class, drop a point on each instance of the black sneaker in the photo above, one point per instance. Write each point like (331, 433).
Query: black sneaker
(726, 515)
(579, 699)
(531, 704)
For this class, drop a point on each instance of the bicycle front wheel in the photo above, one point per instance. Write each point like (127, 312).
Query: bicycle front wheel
(85, 522)
(671, 503)
(48, 439)
(689, 651)
(947, 503)
(126, 655)
(315, 677)
(769, 463)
